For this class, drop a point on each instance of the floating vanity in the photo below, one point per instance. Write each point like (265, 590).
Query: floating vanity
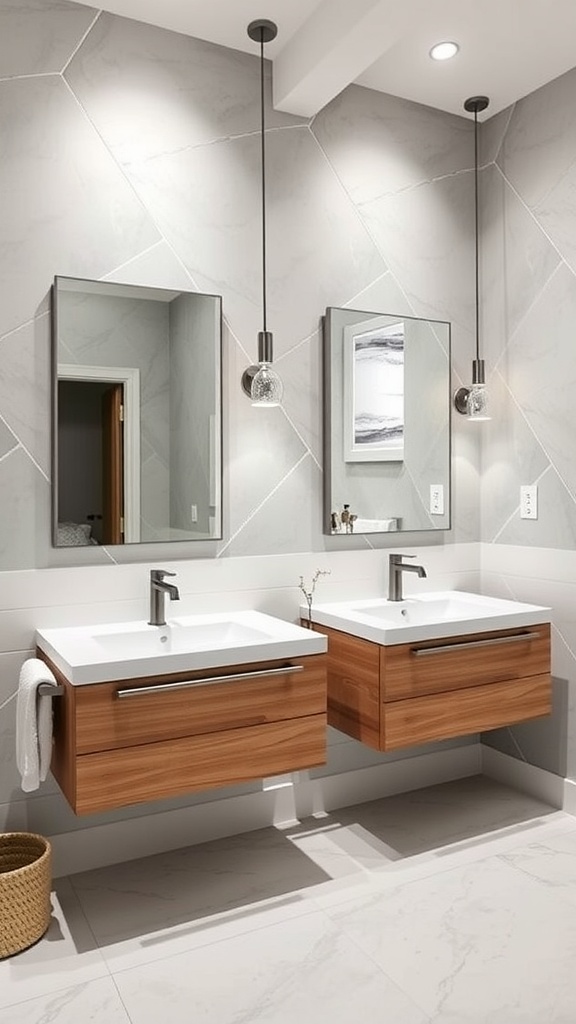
(433, 666)
(150, 712)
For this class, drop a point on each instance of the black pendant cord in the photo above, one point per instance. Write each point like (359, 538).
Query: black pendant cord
(476, 234)
(263, 164)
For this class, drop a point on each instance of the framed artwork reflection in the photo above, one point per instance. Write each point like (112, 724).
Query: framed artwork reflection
(373, 406)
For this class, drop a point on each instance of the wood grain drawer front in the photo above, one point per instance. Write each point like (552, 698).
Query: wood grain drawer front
(477, 709)
(105, 722)
(459, 662)
(117, 778)
(353, 685)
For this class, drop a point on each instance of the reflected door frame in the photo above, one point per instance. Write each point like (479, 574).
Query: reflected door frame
(129, 377)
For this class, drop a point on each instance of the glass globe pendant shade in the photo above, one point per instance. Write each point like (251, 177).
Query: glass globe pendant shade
(477, 406)
(472, 402)
(266, 387)
(260, 382)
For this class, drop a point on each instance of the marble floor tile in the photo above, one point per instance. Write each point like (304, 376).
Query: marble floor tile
(151, 908)
(402, 871)
(424, 819)
(301, 970)
(550, 860)
(96, 1001)
(481, 943)
(451, 905)
(66, 956)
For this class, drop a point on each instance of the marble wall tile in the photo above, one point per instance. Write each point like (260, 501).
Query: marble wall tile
(8, 440)
(262, 448)
(318, 250)
(379, 145)
(529, 296)
(538, 157)
(541, 365)
(543, 742)
(25, 387)
(291, 518)
(301, 373)
(517, 261)
(424, 236)
(556, 523)
(142, 165)
(65, 206)
(156, 267)
(515, 458)
(466, 479)
(24, 512)
(384, 295)
(492, 134)
(39, 38)
(152, 93)
(549, 743)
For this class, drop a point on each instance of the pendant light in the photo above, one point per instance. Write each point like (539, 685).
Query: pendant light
(473, 401)
(260, 382)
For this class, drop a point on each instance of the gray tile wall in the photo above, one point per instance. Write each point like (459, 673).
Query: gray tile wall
(528, 206)
(133, 154)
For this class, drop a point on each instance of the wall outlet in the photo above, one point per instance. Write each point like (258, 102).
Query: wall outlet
(437, 499)
(529, 502)
(194, 513)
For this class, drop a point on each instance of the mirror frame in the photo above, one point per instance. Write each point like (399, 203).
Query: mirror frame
(89, 282)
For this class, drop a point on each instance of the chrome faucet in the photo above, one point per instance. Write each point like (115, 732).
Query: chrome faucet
(395, 569)
(158, 588)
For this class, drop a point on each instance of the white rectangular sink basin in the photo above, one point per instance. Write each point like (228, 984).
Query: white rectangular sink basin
(426, 616)
(128, 650)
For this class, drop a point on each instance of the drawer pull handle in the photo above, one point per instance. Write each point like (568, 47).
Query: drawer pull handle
(467, 644)
(138, 691)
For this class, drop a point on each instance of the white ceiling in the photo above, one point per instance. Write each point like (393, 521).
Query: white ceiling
(508, 48)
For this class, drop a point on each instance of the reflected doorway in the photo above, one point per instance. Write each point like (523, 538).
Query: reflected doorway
(98, 452)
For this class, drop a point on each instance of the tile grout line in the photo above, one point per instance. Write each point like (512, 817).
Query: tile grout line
(264, 501)
(81, 42)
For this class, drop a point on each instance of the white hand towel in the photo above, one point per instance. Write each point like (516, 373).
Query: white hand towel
(33, 724)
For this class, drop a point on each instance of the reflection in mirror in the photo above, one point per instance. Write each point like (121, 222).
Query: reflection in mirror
(386, 423)
(137, 414)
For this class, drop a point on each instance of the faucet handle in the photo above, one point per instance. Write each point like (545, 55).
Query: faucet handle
(398, 558)
(159, 574)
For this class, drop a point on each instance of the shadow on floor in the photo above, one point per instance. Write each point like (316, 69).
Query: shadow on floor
(234, 876)
(427, 819)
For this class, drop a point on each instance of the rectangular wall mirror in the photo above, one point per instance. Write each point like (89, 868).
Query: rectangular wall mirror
(386, 423)
(137, 409)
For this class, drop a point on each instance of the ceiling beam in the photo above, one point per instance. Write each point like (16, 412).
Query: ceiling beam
(331, 49)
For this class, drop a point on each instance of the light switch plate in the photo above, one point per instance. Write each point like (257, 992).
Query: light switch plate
(436, 499)
(529, 502)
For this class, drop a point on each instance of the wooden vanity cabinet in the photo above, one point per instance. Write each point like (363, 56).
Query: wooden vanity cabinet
(132, 741)
(405, 694)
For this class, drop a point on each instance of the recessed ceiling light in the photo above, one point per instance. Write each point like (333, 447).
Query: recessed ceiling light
(443, 51)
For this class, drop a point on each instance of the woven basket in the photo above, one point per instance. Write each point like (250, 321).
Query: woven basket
(25, 882)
